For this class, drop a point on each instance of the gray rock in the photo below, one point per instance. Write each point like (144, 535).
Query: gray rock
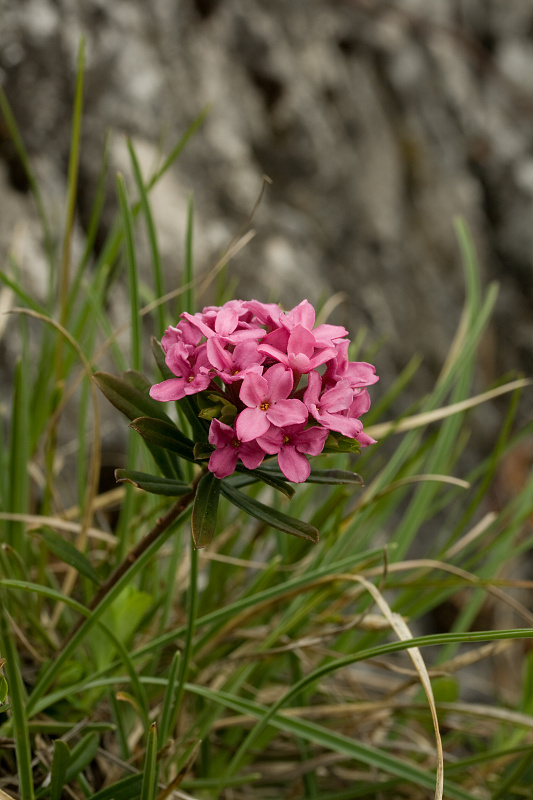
(377, 123)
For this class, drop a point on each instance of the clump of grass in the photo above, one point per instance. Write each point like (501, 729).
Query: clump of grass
(263, 664)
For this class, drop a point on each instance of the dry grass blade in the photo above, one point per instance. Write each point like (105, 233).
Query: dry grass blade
(37, 521)
(399, 626)
(472, 534)
(429, 563)
(419, 420)
(329, 306)
(369, 495)
(5, 795)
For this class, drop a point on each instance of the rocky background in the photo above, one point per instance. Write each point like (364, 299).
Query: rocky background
(377, 122)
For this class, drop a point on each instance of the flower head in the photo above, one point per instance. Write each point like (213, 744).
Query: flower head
(254, 356)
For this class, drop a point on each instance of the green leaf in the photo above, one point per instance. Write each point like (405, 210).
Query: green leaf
(169, 700)
(202, 451)
(124, 393)
(66, 552)
(82, 755)
(152, 483)
(132, 271)
(204, 512)
(325, 476)
(335, 476)
(159, 355)
(152, 235)
(129, 393)
(3, 689)
(277, 481)
(199, 427)
(149, 784)
(337, 443)
(126, 789)
(270, 516)
(60, 763)
(164, 435)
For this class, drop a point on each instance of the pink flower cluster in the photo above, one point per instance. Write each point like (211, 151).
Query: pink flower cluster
(281, 384)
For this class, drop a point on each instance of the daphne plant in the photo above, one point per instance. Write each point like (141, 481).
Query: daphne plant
(253, 382)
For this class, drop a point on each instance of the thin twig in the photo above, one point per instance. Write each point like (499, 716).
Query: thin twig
(159, 528)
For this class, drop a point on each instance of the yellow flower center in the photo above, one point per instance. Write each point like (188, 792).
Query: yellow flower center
(235, 443)
(286, 440)
(264, 406)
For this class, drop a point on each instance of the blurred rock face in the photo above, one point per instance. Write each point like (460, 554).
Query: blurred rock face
(377, 123)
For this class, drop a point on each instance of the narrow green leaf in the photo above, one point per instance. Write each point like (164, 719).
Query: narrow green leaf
(128, 788)
(199, 427)
(178, 148)
(82, 755)
(277, 481)
(149, 784)
(204, 512)
(93, 227)
(373, 756)
(165, 435)
(159, 355)
(124, 393)
(169, 700)
(19, 713)
(51, 671)
(202, 451)
(133, 274)
(152, 235)
(187, 301)
(56, 728)
(72, 187)
(270, 516)
(70, 555)
(3, 689)
(248, 476)
(127, 395)
(335, 476)
(152, 483)
(16, 287)
(22, 153)
(60, 763)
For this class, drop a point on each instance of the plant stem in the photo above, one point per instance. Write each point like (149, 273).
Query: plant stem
(159, 528)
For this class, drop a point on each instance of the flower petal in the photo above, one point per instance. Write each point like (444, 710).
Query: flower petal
(287, 412)
(251, 454)
(253, 390)
(280, 382)
(294, 466)
(172, 389)
(250, 424)
(222, 462)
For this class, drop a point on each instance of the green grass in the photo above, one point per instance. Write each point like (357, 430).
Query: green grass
(265, 665)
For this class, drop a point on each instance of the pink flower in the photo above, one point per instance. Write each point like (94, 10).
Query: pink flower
(290, 442)
(225, 322)
(304, 315)
(267, 313)
(360, 405)
(191, 377)
(298, 349)
(233, 366)
(357, 373)
(330, 407)
(223, 460)
(253, 355)
(266, 398)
